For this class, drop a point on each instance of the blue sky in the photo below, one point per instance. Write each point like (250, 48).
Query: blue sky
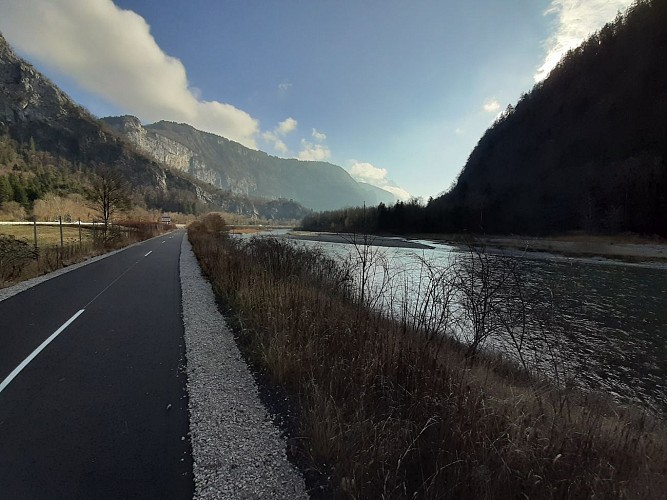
(396, 92)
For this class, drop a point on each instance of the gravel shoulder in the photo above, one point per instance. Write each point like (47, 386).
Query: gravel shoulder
(238, 453)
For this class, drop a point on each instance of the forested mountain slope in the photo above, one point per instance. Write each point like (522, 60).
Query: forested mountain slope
(586, 149)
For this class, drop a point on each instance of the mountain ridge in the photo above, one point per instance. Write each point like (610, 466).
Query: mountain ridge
(33, 110)
(230, 165)
(585, 149)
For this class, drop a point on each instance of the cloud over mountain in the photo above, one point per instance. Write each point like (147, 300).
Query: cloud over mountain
(111, 53)
(576, 20)
(370, 174)
(275, 137)
(491, 106)
(313, 152)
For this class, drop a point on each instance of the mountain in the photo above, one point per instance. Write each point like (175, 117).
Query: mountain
(586, 149)
(231, 166)
(34, 111)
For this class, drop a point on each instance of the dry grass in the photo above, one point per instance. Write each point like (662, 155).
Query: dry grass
(47, 236)
(390, 412)
(246, 230)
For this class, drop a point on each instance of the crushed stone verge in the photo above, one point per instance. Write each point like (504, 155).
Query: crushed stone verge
(238, 453)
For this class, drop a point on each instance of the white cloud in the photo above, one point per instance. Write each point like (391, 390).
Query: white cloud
(317, 151)
(367, 172)
(576, 20)
(284, 86)
(397, 191)
(111, 52)
(318, 136)
(274, 137)
(370, 174)
(491, 106)
(276, 142)
(313, 152)
(286, 126)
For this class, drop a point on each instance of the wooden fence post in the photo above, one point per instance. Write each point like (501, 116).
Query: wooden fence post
(34, 231)
(62, 244)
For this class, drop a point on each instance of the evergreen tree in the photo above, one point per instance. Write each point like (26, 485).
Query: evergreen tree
(6, 191)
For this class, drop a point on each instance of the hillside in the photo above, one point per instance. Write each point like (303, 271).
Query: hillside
(44, 136)
(33, 110)
(586, 149)
(229, 165)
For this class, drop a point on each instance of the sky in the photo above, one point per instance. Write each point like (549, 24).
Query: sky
(398, 93)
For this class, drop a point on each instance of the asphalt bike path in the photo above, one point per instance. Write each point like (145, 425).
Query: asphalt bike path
(92, 383)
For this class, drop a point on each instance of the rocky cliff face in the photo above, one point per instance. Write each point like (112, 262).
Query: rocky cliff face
(25, 94)
(231, 166)
(153, 158)
(162, 149)
(33, 108)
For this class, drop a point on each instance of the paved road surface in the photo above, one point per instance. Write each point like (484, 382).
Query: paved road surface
(101, 411)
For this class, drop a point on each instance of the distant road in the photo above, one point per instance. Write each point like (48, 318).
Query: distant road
(100, 411)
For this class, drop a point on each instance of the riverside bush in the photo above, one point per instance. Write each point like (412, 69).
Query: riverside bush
(14, 256)
(388, 410)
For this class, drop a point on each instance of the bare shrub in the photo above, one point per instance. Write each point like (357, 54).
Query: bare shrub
(14, 256)
(12, 211)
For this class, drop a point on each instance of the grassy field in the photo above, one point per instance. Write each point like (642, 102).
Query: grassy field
(388, 410)
(46, 235)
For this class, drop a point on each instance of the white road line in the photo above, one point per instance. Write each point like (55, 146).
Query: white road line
(148, 253)
(27, 360)
(112, 283)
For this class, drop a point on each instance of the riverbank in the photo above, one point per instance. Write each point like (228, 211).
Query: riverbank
(625, 248)
(386, 409)
(357, 239)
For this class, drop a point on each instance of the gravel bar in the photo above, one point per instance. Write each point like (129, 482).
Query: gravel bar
(238, 453)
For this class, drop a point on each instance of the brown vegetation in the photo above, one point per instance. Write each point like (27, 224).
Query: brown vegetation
(390, 410)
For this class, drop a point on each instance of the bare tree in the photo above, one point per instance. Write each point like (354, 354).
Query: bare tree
(108, 196)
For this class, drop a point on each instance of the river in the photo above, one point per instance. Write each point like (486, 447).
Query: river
(609, 327)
